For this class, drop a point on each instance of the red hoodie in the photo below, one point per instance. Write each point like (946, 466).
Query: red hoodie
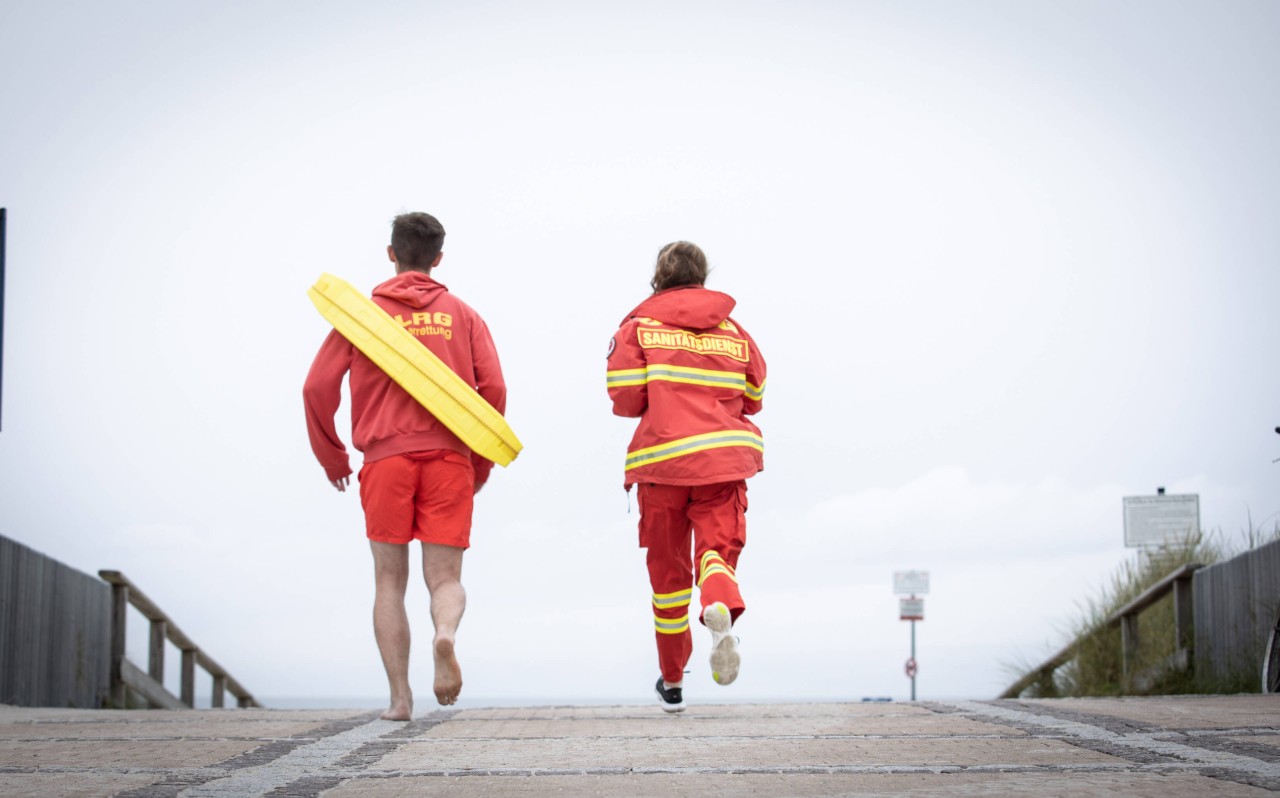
(692, 375)
(386, 420)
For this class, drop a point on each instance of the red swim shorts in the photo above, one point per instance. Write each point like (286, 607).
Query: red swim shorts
(424, 496)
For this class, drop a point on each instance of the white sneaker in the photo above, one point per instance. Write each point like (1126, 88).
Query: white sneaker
(724, 646)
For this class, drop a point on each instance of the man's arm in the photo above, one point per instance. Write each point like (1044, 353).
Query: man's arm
(484, 359)
(489, 384)
(321, 396)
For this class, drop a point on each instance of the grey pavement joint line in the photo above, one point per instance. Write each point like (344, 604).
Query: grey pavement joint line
(1143, 742)
(374, 750)
(1243, 731)
(297, 764)
(308, 787)
(277, 748)
(270, 750)
(336, 773)
(361, 758)
(1259, 751)
(747, 770)
(1108, 722)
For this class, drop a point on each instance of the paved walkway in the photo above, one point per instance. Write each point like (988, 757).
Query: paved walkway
(1166, 747)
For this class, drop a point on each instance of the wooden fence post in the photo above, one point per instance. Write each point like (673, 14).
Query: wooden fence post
(1128, 647)
(150, 685)
(119, 606)
(189, 677)
(1183, 614)
(155, 661)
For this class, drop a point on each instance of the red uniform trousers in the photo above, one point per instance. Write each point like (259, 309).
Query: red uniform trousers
(717, 516)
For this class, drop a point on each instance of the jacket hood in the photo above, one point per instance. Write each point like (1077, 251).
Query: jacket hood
(414, 289)
(690, 306)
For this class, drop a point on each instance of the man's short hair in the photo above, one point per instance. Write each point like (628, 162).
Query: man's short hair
(416, 238)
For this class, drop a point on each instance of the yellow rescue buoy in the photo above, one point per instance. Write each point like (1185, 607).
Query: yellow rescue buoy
(416, 369)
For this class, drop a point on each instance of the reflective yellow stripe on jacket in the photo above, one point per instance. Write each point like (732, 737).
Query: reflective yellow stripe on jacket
(684, 374)
(625, 378)
(694, 443)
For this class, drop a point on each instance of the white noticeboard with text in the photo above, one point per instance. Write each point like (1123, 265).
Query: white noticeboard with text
(911, 609)
(911, 582)
(1160, 520)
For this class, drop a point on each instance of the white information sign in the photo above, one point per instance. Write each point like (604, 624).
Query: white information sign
(1160, 520)
(911, 582)
(911, 609)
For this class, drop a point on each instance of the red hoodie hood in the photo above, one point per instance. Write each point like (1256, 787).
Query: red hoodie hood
(690, 306)
(414, 289)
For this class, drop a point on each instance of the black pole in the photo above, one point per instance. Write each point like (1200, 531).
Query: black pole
(2, 219)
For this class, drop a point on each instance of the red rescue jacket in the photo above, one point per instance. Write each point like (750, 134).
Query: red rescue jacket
(692, 375)
(385, 419)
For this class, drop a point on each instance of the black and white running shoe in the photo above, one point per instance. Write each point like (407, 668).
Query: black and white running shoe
(671, 698)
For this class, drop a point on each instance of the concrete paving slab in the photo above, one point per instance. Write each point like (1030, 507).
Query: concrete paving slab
(193, 728)
(73, 785)
(693, 724)
(153, 752)
(728, 753)
(1271, 741)
(1177, 712)
(1158, 747)
(1032, 785)
(13, 714)
(867, 710)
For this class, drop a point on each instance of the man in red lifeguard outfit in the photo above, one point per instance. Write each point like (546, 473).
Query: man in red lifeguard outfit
(418, 477)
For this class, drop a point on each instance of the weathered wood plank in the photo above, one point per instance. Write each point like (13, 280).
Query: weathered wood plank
(1236, 604)
(1154, 593)
(119, 617)
(1129, 647)
(155, 653)
(1183, 619)
(155, 615)
(52, 631)
(148, 688)
(62, 636)
(188, 677)
(149, 609)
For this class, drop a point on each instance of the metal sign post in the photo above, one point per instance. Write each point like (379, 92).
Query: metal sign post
(911, 609)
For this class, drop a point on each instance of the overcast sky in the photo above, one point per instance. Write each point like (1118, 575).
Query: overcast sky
(1009, 262)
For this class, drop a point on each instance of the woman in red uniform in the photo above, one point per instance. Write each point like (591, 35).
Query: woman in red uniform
(692, 375)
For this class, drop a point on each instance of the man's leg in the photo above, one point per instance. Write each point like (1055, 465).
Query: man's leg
(391, 623)
(442, 570)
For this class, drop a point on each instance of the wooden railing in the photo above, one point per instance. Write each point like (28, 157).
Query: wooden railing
(1179, 582)
(150, 684)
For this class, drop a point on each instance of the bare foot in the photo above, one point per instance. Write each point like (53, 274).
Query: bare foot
(399, 710)
(448, 674)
